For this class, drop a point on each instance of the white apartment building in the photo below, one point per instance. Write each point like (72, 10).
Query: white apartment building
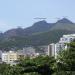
(0, 54)
(67, 38)
(9, 57)
(53, 49)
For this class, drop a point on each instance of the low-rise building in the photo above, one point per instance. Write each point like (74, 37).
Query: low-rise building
(9, 57)
(27, 51)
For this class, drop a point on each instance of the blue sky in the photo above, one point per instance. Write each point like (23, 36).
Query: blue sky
(14, 13)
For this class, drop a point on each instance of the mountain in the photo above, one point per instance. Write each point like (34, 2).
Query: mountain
(40, 39)
(14, 32)
(40, 33)
(64, 20)
(64, 24)
(40, 26)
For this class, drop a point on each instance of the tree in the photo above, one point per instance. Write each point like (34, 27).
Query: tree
(66, 59)
(42, 65)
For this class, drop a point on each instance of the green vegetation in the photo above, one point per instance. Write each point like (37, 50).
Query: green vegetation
(39, 39)
(67, 60)
(44, 65)
(40, 33)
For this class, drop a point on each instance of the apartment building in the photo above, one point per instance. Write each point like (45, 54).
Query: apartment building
(9, 57)
(67, 38)
(53, 49)
(27, 51)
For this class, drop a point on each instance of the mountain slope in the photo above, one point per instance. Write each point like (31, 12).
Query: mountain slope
(64, 24)
(33, 40)
(64, 20)
(14, 32)
(40, 33)
(42, 26)
(37, 27)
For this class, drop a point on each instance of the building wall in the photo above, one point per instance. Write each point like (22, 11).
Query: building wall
(9, 57)
(51, 49)
(0, 54)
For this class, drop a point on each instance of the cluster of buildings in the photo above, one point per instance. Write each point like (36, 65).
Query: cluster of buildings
(54, 48)
(12, 57)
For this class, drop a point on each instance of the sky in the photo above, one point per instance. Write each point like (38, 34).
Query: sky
(21, 13)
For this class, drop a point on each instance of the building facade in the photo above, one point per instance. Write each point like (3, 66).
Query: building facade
(9, 57)
(53, 49)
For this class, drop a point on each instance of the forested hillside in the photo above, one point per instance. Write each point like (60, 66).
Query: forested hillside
(40, 33)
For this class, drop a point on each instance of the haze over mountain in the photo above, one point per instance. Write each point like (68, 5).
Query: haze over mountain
(42, 26)
(40, 33)
(64, 20)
